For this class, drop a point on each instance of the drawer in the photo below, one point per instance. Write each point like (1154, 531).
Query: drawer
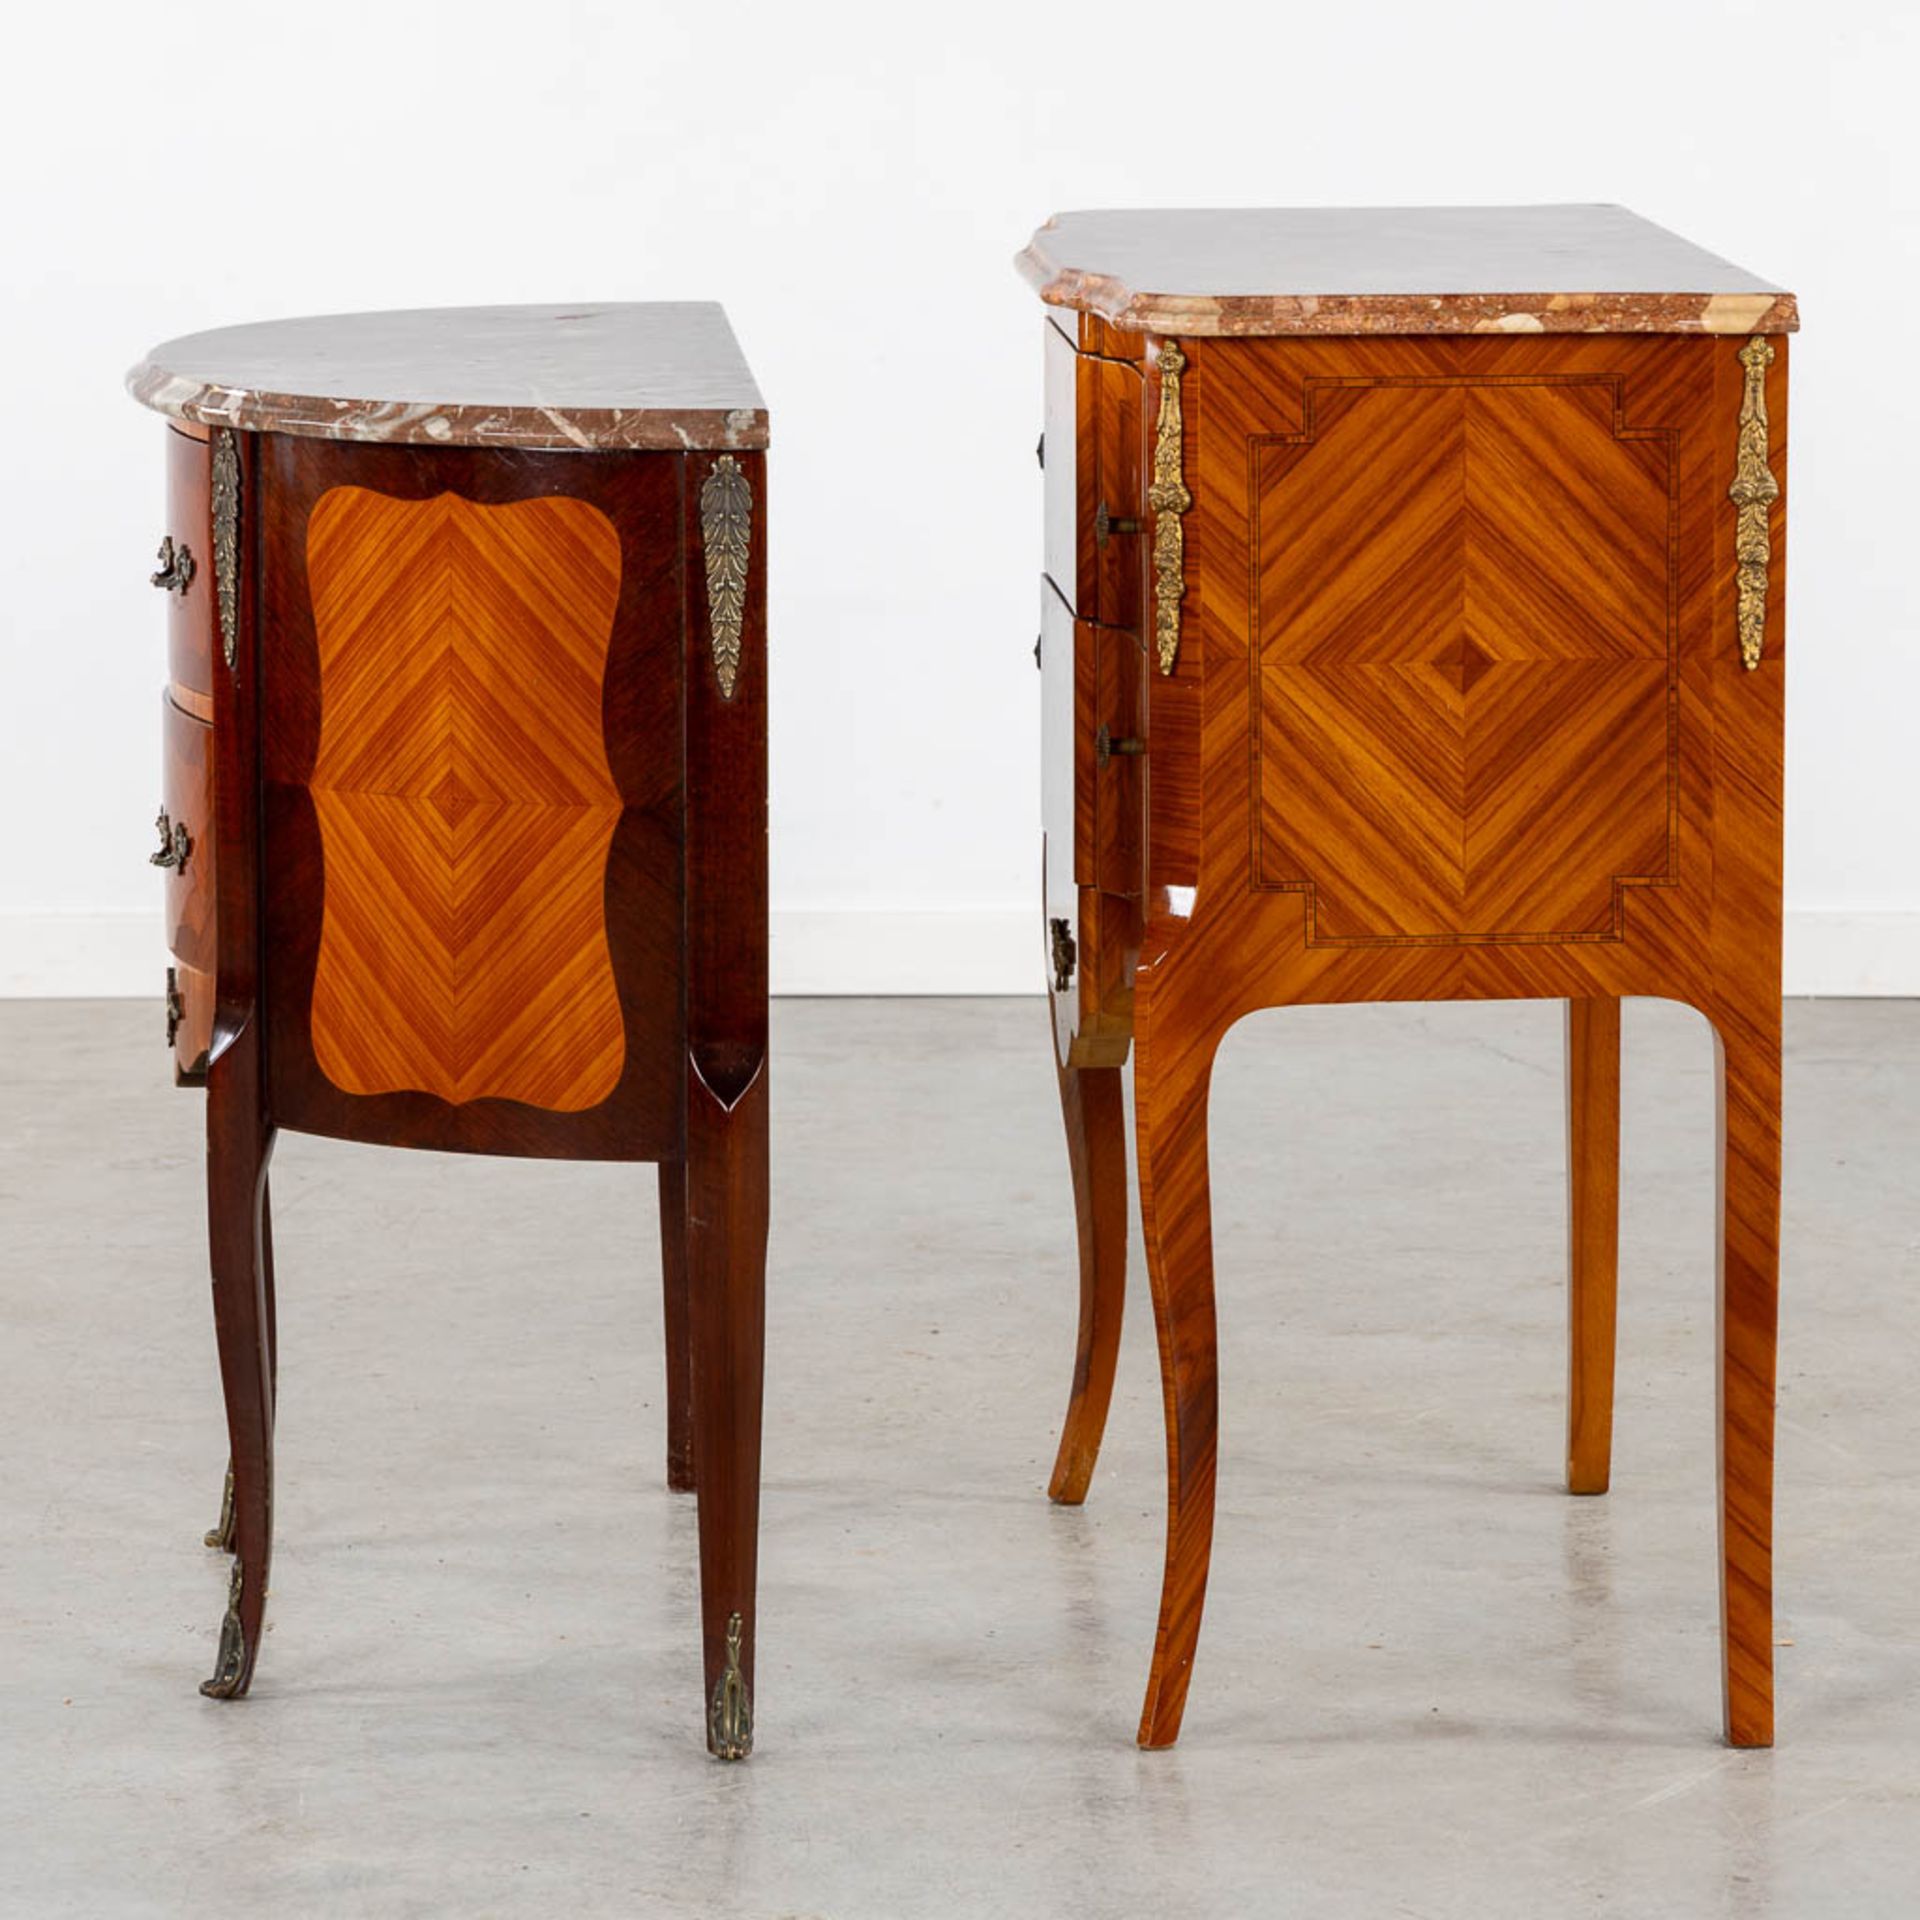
(1113, 753)
(1090, 680)
(189, 1022)
(190, 612)
(1119, 494)
(1095, 498)
(186, 833)
(1068, 461)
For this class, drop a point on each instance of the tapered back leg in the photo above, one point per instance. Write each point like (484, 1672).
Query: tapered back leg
(673, 1288)
(1749, 1301)
(1593, 1182)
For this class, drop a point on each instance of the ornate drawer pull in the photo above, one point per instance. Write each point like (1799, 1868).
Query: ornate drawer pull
(176, 843)
(1106, 524)
(176, 567)
(1106, 747)
(176, 1007)
(1062, 952)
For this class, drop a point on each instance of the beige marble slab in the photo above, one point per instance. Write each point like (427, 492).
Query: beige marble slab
(655, 375)
(1270, 270)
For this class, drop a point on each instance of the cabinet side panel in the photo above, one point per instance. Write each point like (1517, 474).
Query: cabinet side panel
(473, 781)
(1453, 629)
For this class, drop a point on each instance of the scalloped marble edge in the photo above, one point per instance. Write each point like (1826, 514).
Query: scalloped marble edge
(426, 424)
(1226, 315)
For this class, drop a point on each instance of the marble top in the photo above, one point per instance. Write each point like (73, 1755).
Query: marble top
(660, 375)
(1268, 270)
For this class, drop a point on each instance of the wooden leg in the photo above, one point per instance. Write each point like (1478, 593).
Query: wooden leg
(1094, 1107)
(220, 1534)
(673, 1279)
(266, 1282)
(1593, 1178)
(726, 1296)
(1749, 1299)
(1171, 1074)
(238, 1145)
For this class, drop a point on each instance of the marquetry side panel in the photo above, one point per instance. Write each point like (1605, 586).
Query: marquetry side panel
(1465, 652)
(474, 796)
(1446, 734)
(465, 801)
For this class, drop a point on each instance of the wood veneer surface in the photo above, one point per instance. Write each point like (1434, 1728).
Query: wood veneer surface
(190, 615)
(465, 801)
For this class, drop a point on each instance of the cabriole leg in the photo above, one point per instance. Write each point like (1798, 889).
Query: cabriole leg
(1171, 1074)
(238, 1145)
(220, 1534)
(1094, 1108)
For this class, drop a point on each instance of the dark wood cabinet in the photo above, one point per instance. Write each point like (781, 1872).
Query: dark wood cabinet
(465, 817)
(1433, 562)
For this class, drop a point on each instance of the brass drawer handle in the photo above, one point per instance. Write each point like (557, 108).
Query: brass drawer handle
(176, 567)
(1106, 524)
(1106, 747)
(1062, 952)
(176, 1007)
(176, 843)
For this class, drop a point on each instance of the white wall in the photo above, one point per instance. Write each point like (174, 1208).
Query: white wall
(852, 181)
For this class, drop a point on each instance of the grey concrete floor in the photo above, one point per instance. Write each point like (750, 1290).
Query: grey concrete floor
(1430, 1683)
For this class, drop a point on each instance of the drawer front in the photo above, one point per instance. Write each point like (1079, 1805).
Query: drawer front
(1095, 504)
(190, 615)
(1066, 797)
(1067, 488)
(189, 1022)
(1119, 494)
(1113, 754)
(185, 852)
(1090, 803)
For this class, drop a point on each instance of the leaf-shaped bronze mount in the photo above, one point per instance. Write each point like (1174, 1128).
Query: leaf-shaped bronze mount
(726, 532)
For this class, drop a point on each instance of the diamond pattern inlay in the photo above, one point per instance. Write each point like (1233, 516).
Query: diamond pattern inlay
(1464, 658)
(466, 805)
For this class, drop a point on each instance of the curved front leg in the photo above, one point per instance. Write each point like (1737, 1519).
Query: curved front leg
(220, 1534)
(1172, 1070)
(239, 1142)
(1093, 1105)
